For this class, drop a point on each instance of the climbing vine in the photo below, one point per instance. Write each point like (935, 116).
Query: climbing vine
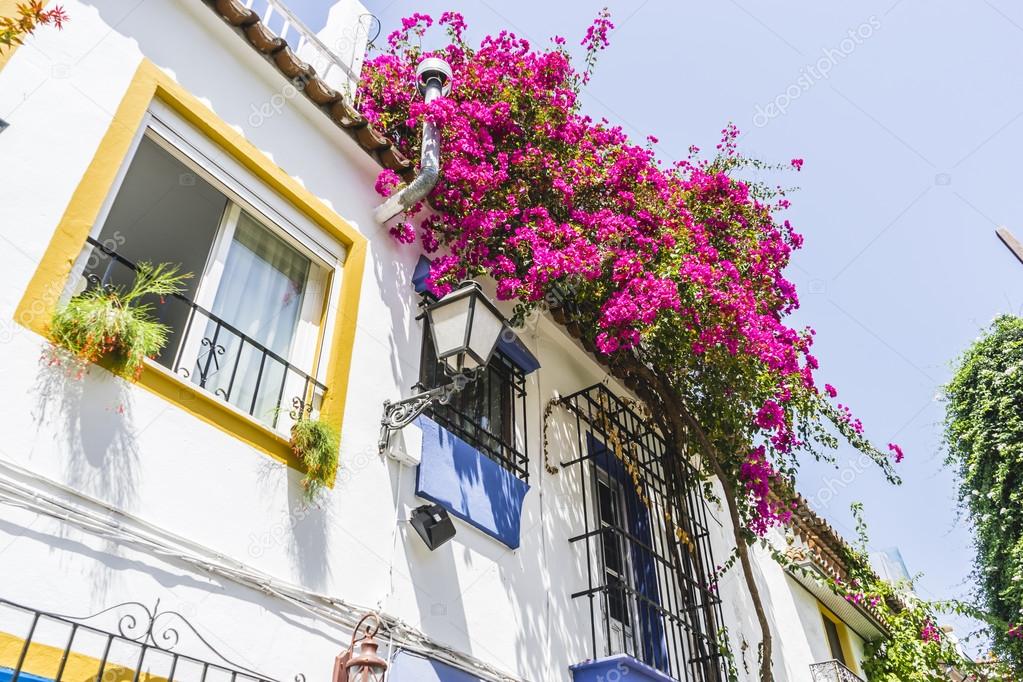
(671, 274)
(915, 648)
(984, 436)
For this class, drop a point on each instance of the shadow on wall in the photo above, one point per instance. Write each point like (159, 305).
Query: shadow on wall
(303, 528)
(92, 409)
(552, 516)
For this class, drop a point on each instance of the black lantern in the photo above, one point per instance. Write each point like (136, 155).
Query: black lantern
(466, 326)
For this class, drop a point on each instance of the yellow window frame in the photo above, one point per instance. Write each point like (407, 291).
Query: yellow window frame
(40, 299)
(844, 639)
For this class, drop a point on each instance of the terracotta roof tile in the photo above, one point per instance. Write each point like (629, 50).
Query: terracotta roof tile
(277, 51)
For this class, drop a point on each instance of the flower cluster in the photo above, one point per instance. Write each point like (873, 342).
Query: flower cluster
(683, 261)
(929, 633)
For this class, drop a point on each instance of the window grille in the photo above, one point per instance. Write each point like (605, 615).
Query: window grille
(489, 413)
(646, 542)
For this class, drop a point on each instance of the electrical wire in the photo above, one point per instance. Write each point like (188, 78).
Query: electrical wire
(23, 489)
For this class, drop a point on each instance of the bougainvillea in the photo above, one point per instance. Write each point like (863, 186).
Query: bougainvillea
(984, 435)
(30, 16)
(671, 273)
(914, 648)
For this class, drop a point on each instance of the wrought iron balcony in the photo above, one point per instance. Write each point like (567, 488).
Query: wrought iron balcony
(832, 671)
(210, 352)
(130, 641)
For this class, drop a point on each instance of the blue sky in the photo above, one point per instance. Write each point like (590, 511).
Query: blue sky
(909, 138)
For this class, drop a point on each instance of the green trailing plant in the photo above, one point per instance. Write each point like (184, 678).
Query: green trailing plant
(316, 444)
(116, 324)
(914, 649)
(984, 437)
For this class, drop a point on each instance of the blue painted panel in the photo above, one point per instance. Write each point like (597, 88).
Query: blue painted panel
(509, 343)
(7, 674)
(469, 484)
(637, 517)
(619, 666)
(408, 667)
(420, 274)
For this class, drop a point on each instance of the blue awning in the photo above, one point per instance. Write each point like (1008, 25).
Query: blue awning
(509, 344)
(409, 667)
(469, 484)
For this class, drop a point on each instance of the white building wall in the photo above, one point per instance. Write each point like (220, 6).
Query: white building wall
(105, 439)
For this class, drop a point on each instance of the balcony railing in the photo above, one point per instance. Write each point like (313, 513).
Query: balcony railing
(215, 355)
(832, 671)
(130, 641)
(338, 63)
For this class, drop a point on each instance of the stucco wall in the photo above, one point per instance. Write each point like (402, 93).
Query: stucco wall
(129, 448)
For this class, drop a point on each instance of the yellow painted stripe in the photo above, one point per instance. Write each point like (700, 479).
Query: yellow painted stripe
(44, 661)
(40, 299)
(846, 638)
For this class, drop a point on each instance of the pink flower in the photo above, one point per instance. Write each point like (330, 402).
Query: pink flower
(830, 390)
(797, 164)
(404, 233)
(929, 634)
(897, 450)
(770, 416)
(386, 182)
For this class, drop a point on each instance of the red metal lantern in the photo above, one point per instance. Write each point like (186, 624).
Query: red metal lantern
(366, 665)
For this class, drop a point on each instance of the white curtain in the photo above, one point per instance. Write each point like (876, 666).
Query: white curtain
(260, 294)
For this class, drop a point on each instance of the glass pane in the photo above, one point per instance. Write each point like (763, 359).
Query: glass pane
(486, 328)
(260, 296)
(833, 641)
(449, 322)
(162, 213)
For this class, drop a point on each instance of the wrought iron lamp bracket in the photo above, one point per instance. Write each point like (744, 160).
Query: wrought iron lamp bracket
(398, 415)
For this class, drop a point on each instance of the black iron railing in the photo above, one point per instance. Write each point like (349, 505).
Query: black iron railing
(832, 671)
(646, 542)
(130, 641)
(217, 356)
(488, 413)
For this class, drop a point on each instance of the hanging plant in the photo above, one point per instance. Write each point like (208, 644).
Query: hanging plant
(116, 325)
(316, 444)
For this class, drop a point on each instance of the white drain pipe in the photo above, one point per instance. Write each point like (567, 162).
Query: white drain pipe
(434, 78)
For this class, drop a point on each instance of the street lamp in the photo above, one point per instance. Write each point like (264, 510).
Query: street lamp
(466, 326)
(366, 665)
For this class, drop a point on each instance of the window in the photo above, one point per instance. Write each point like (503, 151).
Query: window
(157, 108)
(247, 328)
(610, 502)
(489, 413)
(648, 582)
(834, 640)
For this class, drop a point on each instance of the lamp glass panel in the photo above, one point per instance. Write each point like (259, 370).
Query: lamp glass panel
(360, 673)
(486, 329)
(448, 321)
